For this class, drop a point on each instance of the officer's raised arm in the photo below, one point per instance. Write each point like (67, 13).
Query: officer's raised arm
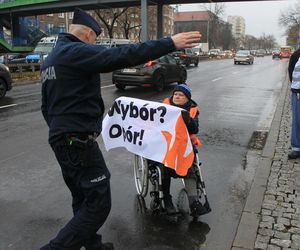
(100, 59)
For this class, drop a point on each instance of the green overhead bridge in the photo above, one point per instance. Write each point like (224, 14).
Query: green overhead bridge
(25, 32)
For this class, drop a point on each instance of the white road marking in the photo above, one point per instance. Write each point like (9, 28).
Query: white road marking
(12, 105)
(7, 106)
(12, 157)
(108, 86)
(217, 79)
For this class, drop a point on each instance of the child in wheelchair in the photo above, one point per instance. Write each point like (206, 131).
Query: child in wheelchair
(182, 97)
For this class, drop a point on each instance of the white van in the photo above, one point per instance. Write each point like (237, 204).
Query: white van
(214, 52)
(41, 51)
(198, 50)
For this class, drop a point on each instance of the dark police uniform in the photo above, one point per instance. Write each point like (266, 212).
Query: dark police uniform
(73, 108)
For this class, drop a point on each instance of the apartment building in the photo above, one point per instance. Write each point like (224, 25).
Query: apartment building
(238, 27)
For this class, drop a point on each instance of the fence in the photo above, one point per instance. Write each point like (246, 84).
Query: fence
(24, 71)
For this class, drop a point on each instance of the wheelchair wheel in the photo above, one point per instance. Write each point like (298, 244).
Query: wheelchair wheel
(141, 175)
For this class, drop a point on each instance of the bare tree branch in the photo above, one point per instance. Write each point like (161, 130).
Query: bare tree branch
(109, 16)
(125, 22)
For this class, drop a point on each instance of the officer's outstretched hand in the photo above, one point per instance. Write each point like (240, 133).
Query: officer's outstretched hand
(186, 39)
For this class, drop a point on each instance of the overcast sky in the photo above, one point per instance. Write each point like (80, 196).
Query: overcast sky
(260, 16)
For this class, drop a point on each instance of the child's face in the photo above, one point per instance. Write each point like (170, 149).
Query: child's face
(179, 98)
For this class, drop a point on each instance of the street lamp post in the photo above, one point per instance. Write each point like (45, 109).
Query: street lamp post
(207, 34)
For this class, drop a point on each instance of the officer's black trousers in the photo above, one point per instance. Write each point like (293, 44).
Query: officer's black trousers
(88, 179)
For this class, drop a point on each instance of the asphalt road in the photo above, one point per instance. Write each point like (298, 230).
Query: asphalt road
(234, 101)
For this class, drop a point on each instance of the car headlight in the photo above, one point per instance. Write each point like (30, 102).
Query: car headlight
(4, 67)
(7, 68)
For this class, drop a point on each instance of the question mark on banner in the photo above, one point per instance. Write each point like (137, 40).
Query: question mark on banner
(163, 112)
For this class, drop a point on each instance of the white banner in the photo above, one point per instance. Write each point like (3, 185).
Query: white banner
(153, 130)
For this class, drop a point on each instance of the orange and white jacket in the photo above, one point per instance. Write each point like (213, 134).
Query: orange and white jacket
(193, 125)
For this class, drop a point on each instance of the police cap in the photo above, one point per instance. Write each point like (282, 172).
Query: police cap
(83, 18)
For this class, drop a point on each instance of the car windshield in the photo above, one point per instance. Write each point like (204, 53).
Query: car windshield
(243, 52)
(162, 59)
(44, 48)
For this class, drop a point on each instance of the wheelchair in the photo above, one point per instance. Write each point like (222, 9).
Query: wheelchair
(146, 171)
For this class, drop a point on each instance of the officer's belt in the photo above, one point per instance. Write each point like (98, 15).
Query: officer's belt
(76, 139)
(80, 139)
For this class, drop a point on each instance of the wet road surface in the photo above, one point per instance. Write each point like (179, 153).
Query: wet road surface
(234, 101)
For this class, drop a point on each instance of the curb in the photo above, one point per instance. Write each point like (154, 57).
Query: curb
(247, 229)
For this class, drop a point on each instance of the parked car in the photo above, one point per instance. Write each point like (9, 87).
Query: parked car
(186, 57)
(14, 60)
(154, 74)
(276, 54)
(260, 53)
(243, 56)
(5, 80)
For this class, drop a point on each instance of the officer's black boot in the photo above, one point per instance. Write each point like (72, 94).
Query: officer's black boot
(103, 246)
(107, 246)
(95, 243)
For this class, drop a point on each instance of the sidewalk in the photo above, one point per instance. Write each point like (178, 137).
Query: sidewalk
(271, 216)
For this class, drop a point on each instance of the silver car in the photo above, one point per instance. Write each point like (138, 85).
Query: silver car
(243, 56)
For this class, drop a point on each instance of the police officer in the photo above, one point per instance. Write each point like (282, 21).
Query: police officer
(73, 108)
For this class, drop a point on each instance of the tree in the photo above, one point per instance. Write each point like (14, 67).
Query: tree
(126, 22)
(215, 11)
(226, 37)
(250, 42)
(263, 42)
(290, 19)
(109, 17)
(220, 34)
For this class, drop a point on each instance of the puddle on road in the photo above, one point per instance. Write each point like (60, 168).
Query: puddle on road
(221, 137)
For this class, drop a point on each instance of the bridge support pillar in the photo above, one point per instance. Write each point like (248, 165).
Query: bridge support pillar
(15, 30)
(144, 17)
(160, 20)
